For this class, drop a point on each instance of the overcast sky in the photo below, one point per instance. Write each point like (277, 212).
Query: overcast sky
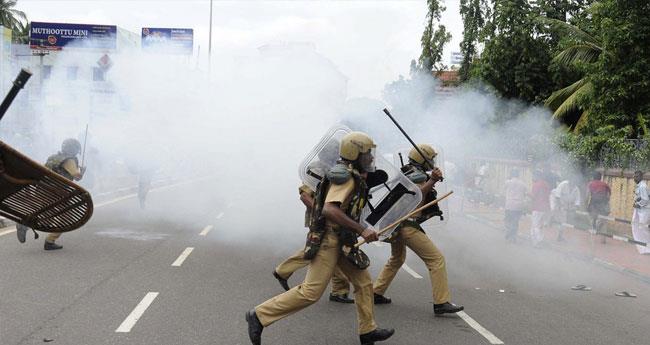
(372, 42)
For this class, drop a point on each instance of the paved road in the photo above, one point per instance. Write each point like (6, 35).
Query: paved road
(86, 292)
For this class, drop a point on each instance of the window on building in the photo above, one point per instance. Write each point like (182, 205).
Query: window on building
(98, 74)
(72, 72)
(47, 71)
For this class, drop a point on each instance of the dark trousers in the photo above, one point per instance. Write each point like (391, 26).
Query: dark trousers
(511, 223)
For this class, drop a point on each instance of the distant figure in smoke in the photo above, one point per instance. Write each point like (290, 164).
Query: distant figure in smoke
(145, 169)
(564, 200)
(515, 192)
(145, 176)
(340, 284)
(66, 164)
(451, 171)
(598, 194)
(479, 181)
(336, 218)
(641, 214)
(540, 195)
(411, 235)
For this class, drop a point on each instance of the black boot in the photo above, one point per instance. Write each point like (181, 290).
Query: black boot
(21, 232)
(379, 299)
(255, 327)
(283, 282)
(51, 246)
(378, 334)
(340, 298)
(446, 308)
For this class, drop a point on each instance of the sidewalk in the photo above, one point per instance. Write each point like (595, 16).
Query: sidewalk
(618, 255)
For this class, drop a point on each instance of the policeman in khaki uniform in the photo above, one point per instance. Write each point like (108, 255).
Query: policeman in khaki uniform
(342, 200)
(410, 234)
(64, 163)
(340, 284)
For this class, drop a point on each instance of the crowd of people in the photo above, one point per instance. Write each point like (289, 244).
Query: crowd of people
(554, 202)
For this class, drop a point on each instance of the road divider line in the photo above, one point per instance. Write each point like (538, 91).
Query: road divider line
(126, 197)
(411, 271)
(183, 256)
(220, 215)
(10, 229)
(206, 230)
(137, 313)
(155, 189)
(484, 332)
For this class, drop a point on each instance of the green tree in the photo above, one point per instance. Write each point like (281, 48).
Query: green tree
(434, 38)
(582, 48)
(516, 58)
(473, 13)
(621, 76)
(21, 34)
(10, 17)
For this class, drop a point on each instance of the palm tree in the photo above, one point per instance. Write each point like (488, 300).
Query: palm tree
(10, 17)
(565, 102)
(21, 33)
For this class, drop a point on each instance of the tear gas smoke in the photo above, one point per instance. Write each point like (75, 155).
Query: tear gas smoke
(249, 125)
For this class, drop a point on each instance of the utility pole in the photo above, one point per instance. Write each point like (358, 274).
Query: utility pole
(210, 44)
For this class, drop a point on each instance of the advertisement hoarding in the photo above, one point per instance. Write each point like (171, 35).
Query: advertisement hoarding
(168, 40)
(55, 36)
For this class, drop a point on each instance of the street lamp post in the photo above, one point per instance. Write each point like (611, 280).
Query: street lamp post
(210, 43)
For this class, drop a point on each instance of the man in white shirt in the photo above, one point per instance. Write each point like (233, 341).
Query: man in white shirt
(641, 214)
(515, 193)
(564, 198)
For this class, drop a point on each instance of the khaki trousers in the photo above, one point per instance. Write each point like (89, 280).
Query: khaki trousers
(319, 273)
(340, 284)
(421, 245)
(53, 236)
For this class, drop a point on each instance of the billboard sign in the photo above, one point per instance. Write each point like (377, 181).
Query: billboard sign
(168, 40)
(55, 36)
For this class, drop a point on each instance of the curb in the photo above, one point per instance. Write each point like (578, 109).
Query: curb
(602, 263)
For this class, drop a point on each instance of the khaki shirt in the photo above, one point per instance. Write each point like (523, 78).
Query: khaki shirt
(339, 193)
(71, 167)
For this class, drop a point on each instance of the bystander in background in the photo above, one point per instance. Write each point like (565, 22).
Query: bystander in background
(540, 207)
(641, 213)
(598, 194)
(515, 193)
(564, 199)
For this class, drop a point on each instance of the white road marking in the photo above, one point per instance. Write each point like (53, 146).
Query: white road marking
(126, 197)
(10, 229)
(206, 230)
(135, 315)
(183, 256)
(484, 332)
(220, 215)
(619, 238)
(129, 196)
(411, 271)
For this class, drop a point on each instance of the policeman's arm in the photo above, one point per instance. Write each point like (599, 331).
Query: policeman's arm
(436, 175)
(332, 211)
(307, 200)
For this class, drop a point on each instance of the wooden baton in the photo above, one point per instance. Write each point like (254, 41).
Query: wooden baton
(395, 223)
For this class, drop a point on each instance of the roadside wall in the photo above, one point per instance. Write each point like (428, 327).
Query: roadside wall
(620, 181)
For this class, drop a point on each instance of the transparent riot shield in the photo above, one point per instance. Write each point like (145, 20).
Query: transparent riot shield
(392, 200)
(322, 157)
(389, 201)
(400, 158)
